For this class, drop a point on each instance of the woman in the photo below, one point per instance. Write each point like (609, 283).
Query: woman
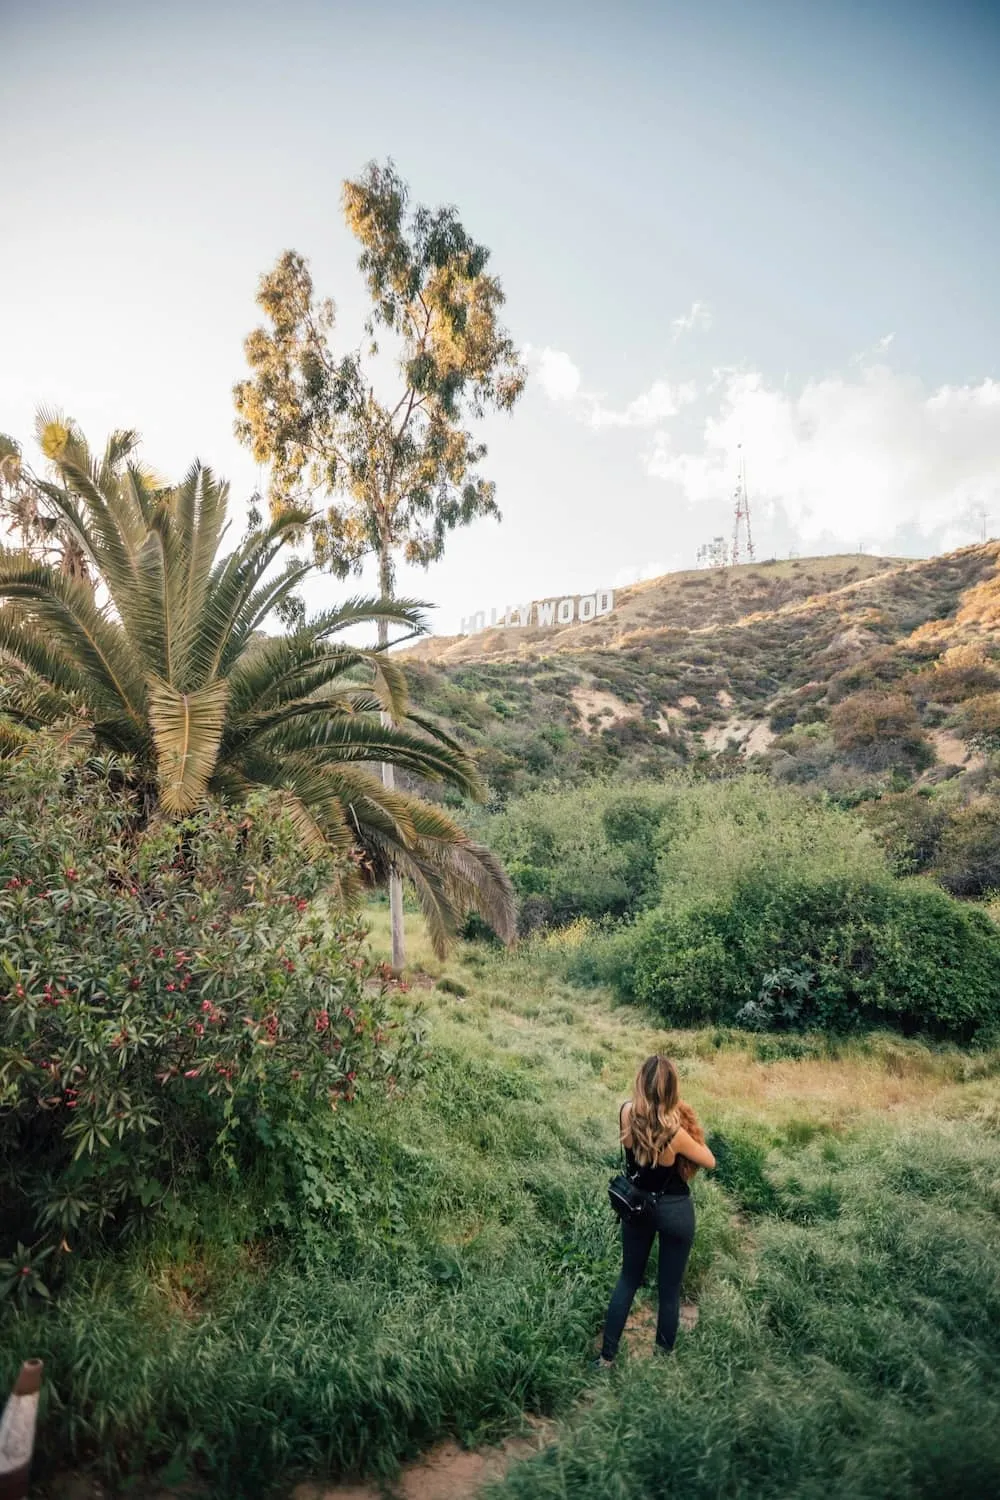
(661, 1153)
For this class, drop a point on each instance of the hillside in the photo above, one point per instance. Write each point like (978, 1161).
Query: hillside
(863, 677)
(701, 598)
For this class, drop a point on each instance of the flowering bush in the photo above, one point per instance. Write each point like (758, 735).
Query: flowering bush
(167, 993)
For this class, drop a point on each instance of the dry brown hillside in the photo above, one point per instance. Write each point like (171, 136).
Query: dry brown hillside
(853, 672)
(691, 600)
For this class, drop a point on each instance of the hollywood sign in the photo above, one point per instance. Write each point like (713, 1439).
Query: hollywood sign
(582, 607)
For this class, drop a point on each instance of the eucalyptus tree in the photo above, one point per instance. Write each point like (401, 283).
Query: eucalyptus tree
(153, 644)
(393, 459)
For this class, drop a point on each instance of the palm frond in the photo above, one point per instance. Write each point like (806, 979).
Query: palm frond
(232, 584)
(64, 607)
(361, 738)
(32, 649)
(187, 729)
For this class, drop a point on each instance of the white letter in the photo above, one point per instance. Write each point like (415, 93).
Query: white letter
(605, 601)
(566, 611)
(547, 612)
(587, 607)
(524, 611)
(478, 622)
(466, 626)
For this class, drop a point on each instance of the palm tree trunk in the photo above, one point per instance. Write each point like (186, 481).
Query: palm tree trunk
(398, 958)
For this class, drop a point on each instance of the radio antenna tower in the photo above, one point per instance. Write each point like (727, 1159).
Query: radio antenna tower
(741, 523)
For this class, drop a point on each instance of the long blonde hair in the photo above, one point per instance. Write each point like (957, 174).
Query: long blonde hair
(655, 1115)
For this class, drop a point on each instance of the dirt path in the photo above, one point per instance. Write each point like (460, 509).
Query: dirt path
(449, 1472)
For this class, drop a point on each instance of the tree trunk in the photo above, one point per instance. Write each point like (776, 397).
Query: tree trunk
(398, 958)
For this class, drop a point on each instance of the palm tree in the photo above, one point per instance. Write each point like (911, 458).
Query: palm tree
(155, 639)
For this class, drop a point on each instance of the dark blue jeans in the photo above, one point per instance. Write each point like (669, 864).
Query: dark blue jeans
(672, 1218)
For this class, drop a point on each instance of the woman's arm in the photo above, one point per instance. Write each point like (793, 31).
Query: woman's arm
(684, 1144)
(625, 1124)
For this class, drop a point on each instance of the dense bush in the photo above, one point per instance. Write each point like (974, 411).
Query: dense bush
(867, 952)
(585, 852)
(968, 856)
(878, 730)
(909, 826)
(782, 908)
(167, 995)
(979, 722)
(725, 831)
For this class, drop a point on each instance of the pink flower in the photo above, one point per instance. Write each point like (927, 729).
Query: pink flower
(191, 1073)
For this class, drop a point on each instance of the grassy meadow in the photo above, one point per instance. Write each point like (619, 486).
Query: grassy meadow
(448, 1275)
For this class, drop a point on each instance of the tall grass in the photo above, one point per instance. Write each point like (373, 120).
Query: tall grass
(453, 1268)
(850, 1350)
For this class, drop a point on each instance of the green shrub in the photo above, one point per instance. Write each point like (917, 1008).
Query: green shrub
(968, 855)
(167, 995)
(909, 827)
(724, 832)
(590, 851)
(876, 951)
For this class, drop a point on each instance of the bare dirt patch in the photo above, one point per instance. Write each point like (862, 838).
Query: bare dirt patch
(593, 703)
(951, 751)
(447, 1472)
(752, 736)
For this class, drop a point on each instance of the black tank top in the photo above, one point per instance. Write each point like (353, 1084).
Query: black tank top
(654, 1179)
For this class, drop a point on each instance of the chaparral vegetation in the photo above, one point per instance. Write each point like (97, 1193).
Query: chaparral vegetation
(274, 1208)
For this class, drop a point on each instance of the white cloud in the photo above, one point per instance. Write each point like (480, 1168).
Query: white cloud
(698, 315)
(557, 374)
(858, 456)
(662, 400)
(560, 379)
(880, 347)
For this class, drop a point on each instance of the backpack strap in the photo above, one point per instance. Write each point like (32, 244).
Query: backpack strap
(621, 1143)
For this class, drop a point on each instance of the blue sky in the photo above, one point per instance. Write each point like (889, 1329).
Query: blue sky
(766, 222)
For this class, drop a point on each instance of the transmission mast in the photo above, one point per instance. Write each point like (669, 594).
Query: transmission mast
(741, 522)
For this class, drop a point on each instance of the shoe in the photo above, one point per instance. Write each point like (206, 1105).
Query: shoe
(601, 1364)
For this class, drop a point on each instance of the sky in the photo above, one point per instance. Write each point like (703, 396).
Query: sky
(760, 222)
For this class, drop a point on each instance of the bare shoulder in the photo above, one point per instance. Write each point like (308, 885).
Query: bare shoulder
(625, 1119)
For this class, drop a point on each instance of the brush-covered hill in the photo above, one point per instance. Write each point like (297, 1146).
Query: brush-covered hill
(865, 677)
